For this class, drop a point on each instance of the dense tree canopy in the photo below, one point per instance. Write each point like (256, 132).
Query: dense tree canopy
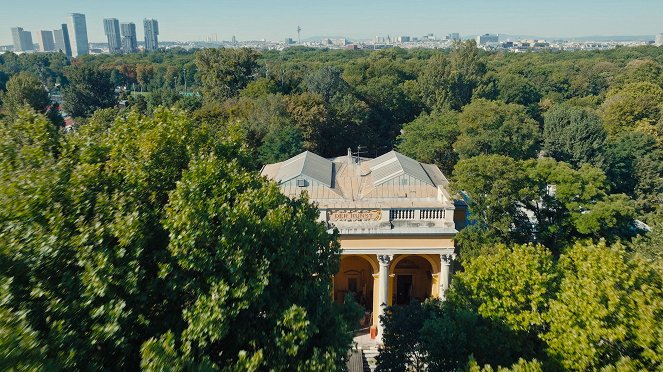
(141, 236)
(148, 241)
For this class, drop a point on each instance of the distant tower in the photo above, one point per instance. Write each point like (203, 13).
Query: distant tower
(78, 35)
(151, 27)
(62, 40)
(129, 41)
(299, 35)
(46, 41)
(22, 40)
(112, 31)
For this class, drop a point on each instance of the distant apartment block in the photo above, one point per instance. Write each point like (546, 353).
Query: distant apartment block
(129, 41)
(151, 27)
(487, 39)
(78, 35)
(46, 41)
(62, 43)
(22, 40)
(112, 31)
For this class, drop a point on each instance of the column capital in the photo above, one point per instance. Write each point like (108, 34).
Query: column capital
(385, 259)
(447, 258)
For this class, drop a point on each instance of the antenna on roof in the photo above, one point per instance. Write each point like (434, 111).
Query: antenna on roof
(360, 150)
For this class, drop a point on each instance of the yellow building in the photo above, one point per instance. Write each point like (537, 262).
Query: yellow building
(396, 220)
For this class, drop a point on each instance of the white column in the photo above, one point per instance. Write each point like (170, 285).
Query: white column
(383, 295)
(445, 274)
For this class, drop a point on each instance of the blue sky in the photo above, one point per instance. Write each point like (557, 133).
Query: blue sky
(274, 20)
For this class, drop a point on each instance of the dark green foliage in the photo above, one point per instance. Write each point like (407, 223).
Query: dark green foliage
(25, 89)
(89, 89)
(595, 308)
(280, 144)
(224, 72)
(538, 200)
(430, 139)
(634, 166)
(147, 242)
(326, 82)
(574, 135)
(493, 127)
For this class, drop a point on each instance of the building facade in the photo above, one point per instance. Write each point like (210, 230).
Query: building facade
(22, 40)
(46, 41)
(487, 39)
(151, 27)
(61, 37)
(396, 221)
(78, 35)
(659, 40)
(112, 32)
(129, 40)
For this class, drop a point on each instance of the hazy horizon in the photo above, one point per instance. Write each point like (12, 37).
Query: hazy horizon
(262, 19)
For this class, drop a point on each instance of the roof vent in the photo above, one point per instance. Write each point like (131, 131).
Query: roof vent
(302, 183)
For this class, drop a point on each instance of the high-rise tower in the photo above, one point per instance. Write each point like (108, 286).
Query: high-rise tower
(112, 31)
(45, 40)
(129, 41)
(151, 27)
(22, 40)
(62, 40)
(78, 35)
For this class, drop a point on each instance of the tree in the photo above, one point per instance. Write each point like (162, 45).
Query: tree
(491, 127)
(634, 167)
(89, 89)
(224, 72)
(540, 201)
(607, 311)
(148, 242)
(430, 139)
(635, 106)
(26, 89)
(326, 81)
(574, 135)
(280, 144)
(494, 185)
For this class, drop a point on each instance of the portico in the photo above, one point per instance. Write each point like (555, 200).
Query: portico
(396, 222)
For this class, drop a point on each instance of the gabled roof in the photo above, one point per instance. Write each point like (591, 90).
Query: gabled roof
(306, 164)
(393, 164)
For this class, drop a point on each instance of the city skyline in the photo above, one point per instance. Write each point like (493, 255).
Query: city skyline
(254, 20)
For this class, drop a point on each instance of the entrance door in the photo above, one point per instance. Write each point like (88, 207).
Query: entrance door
(403, 289)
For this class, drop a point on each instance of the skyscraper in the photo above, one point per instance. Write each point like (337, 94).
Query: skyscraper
(129, 41)
(22, 40)
(78, 35)
(46, 41)
(112, 31)
(62, 40)
(151, 34)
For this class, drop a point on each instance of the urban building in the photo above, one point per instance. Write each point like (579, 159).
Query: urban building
(22, 40)
(78, 35)
(454, 36)
(487, 39)
(396, 221)
(46, 41)
(112, 31)
(151, 27)
(61, 37)
(403, 39)
(129, 40)
(288, 41)
(659, 40)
